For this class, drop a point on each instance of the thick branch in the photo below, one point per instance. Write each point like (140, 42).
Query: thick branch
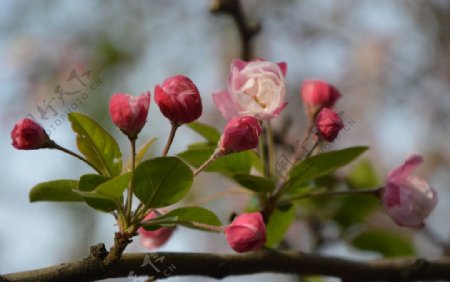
(222, 265)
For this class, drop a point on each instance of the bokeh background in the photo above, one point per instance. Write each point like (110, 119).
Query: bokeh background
(389, 58)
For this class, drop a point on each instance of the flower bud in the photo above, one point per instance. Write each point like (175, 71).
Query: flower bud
(29, 135)
(328, 124)
(246, 233)
(408, 199)
(179, 100)
(154, 239)
(240, 134)
(317, 94)
(129, 113)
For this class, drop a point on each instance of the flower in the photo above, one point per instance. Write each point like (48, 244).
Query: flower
(179, 100)
(246, 233)
(408, 199)
(318, 94)
(129, 113)
(154, 239)
(328, 124)
(240, 134)
(29, 135)
(255, 88)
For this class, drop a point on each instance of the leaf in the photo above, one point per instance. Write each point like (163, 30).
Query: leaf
(227, 165)
(55, 191)
(355, 209)
(140, 154)
(108, 195)
(255, 183)
(96, 144)
(208, 132)
(89, 182)
(322, 164)
(192, 217)
(363, 175)
(387, 243)
(162, 181)
(279, 222)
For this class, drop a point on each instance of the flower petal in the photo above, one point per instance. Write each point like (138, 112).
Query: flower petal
(225, 104)
(405, 169)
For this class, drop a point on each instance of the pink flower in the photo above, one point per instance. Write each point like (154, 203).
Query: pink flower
(246, 233)
(179, 100)
(154, 239)
(328, 124)
(408, 199)
(318, 93)
(240, 134)
(255, 88)
(29, 135)
(129, 113)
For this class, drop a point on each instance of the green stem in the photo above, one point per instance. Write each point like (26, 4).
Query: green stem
(209, 161)
(301, 147)
(313, 148)
(270, 149)
(173, 130)
(67, 151)
(130, 189)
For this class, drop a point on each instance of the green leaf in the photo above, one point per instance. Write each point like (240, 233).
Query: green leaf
(96, 144)
(55, 191)
(227, 165)
(322, 164)
(89, 182)
(363, 175)
(208, 132)
(355, 209)
(162, 181)
(108, 195)
(255, 183)
(140, 154)
(387, 243)
(192, 217)
(279, 222)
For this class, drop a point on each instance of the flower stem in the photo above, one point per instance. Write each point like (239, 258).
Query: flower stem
(301, 147)
(53, 145)
(212, 158)
(173, 130)
(315, 146)
(130, 189)
(269, 150)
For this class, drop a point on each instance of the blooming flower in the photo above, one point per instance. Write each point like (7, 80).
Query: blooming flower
(29, 135)
(240, 134)
(154, 239)
(246, 233)
(129, 113)
(328, 124)
(408, 199)
(255, 88)
(179, 100)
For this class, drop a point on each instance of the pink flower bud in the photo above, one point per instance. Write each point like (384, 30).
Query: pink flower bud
(246, 233)
(179, 100)
(129, 113)
(240, 134)
(319, 94)
(256, 88)
(408, 199)
(154, 239)
(29, 135)
(328, 124)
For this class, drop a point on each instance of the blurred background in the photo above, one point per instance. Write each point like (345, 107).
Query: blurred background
(389, 58)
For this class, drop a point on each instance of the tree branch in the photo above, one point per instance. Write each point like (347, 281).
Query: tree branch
(163, 265)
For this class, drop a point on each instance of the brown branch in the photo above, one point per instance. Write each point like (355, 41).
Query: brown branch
(163, 265)
(246, 29)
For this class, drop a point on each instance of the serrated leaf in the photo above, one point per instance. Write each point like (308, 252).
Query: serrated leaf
(322, 164)
(192, 217)
(96, 144)
(206, 131)
(162, 181)
(254, 183)
(140, 154)
(55, 191)
(89, 182)
(279, 222)
(385, 242)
